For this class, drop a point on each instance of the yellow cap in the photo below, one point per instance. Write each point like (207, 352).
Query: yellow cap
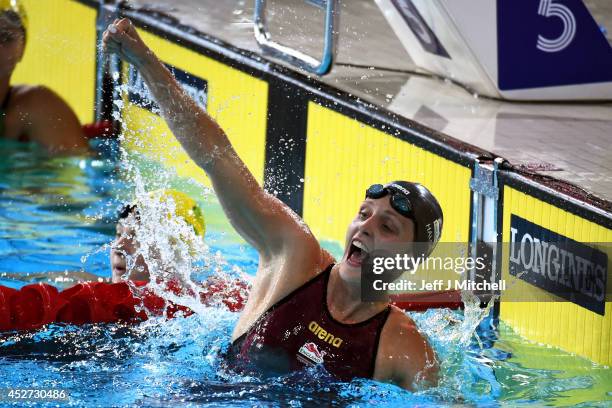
(16, 7)
(185, 207)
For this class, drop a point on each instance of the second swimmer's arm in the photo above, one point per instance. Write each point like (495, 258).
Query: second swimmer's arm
(262, 219)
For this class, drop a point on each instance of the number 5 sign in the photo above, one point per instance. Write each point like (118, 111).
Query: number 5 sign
(550, 9)
(549, 43)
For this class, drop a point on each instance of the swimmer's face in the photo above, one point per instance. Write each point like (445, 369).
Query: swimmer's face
(377, 226)
(124, 247)
(12, 45)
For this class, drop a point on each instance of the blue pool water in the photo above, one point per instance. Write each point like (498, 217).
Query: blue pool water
(58, 215)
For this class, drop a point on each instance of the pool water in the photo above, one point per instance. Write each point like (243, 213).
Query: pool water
(58, 214)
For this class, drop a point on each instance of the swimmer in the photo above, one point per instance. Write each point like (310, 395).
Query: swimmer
(126, 261)
(87, 298)
(304, 308)
(31, 113)
(125, 246)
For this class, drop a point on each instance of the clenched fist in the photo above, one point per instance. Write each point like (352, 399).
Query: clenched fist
(122, 39)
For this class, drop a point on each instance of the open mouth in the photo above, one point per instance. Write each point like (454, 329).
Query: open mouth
(357, 253)
(119, 269)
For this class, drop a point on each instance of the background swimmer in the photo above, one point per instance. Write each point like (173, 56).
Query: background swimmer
(31, 113)
(128, 259)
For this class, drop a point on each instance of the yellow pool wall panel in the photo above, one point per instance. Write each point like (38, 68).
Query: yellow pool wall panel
(61, 52)
(565, 325)
(236, 100)
(344, 156)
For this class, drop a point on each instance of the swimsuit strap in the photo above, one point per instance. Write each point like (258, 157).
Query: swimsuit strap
(7, 97)
(322, 275)
(378, 320)
(3, 110)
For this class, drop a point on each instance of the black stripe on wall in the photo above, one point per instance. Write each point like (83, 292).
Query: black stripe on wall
(286, 143)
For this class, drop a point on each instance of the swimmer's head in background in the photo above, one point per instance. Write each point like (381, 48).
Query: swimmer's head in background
(13, 14)
(414, 201)
(184, 207)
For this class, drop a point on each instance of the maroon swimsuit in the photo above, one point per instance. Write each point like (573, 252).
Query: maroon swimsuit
(299, 331)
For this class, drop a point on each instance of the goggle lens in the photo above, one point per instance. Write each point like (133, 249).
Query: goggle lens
(399, 202)
(376, 191)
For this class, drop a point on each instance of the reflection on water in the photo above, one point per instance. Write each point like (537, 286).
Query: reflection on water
(54, 209)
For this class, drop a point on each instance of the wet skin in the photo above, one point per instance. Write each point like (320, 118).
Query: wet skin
(125, 247)
(377, 226)
(34, 113)
(289, 254)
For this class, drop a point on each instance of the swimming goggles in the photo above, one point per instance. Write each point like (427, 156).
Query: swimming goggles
(399, 197)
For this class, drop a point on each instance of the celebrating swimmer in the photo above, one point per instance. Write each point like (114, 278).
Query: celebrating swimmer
(31, 113)
(304, 307)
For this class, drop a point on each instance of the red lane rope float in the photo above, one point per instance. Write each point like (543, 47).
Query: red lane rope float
(103, 128)
(5, 309)
(421, 301)
(98, 302)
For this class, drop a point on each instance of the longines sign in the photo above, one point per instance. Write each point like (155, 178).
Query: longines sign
(572, 270)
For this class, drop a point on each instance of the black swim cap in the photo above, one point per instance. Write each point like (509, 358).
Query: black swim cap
(426, 212)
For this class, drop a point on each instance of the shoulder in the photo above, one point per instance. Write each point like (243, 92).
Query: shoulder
(302, 250)
(25, 92)
(43, 116)
(400, 331)
(36, 96)
(404, 354)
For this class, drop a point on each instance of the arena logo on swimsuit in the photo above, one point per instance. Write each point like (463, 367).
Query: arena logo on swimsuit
(196, 88)
(324, 334)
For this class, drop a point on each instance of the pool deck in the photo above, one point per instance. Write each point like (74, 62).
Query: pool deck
(568, 141)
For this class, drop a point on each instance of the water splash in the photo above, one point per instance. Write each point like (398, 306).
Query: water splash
(167, 245)
(465, 373)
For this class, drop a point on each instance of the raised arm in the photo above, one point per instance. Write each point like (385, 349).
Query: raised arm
(263, 220)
